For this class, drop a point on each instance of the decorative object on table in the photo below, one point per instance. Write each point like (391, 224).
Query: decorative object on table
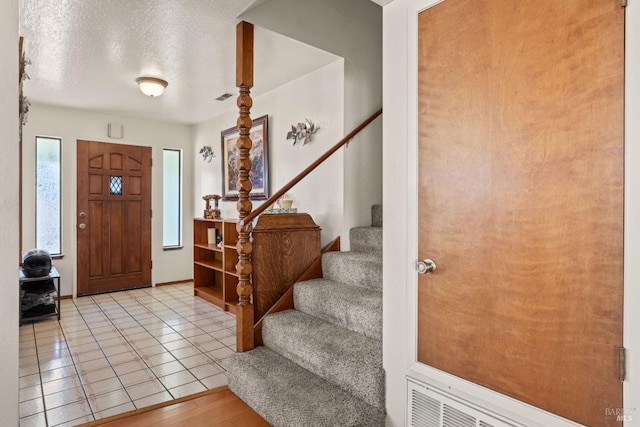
(302, 132)
(282, 205)
(258, 175)
(210, 213)
(212, 235)
(207, 153)
(286, 203)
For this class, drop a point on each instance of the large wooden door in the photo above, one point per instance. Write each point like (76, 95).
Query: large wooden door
(113, 217)
(521, 199)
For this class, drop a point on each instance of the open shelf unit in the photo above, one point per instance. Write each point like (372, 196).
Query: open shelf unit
(284, 246)
(35, 285)
(214, 265)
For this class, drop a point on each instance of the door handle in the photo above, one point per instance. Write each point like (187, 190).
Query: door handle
(82, 226)
(426, 266)
(82, 214)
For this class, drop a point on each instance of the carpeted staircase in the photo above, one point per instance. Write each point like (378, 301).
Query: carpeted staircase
(321, 363)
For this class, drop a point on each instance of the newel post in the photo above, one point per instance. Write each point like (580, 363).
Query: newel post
(244, 82)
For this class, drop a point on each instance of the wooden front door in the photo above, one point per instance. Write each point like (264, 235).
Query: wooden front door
(113, 217)
(521, 199)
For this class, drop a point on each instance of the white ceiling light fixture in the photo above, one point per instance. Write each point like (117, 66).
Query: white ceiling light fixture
(151, 86)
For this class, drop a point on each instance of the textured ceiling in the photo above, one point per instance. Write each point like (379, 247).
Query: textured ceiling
(87, 54)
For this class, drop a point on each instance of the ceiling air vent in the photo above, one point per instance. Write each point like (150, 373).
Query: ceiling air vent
(224, 96)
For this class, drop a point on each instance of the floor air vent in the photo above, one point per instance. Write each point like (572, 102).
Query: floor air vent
(430, 407)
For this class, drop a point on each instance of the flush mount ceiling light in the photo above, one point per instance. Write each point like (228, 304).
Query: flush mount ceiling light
(151, 86)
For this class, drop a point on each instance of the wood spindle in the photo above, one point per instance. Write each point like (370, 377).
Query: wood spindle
(244, 82)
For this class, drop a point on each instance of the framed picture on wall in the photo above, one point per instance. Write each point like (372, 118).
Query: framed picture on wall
(259, 174)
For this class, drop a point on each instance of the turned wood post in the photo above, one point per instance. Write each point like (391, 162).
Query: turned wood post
(244, 82)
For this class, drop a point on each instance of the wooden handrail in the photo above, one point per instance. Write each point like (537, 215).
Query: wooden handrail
(271, 200)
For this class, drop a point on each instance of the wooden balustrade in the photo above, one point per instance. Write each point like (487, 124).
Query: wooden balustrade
(244, 82)
(253, 215)
(245, 338)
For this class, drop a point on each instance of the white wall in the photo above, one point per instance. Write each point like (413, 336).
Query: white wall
(353, 30)
(399, 194)
(317, 96)
(72, 125)
(9, 248)
(396, 258)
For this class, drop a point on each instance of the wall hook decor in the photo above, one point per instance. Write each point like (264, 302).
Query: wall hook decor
(302, 132)
(207, 153)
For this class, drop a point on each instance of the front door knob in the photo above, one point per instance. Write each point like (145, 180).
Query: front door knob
(426, 266)
(82, 226)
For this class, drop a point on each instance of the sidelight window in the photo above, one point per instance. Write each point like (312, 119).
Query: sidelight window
(171, 198)
(48, 194)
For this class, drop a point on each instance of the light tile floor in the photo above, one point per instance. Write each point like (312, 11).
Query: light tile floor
(116, 352)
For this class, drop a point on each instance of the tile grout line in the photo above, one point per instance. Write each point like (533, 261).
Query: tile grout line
(200, 312)
(174, 306)
(178, 332)
(133, 348)
(75, 363)
(137, 351)
(44, 401)
(73, 359)
(97, 304)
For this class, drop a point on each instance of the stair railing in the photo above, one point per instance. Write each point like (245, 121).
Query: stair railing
(244, 82)
(289, 185)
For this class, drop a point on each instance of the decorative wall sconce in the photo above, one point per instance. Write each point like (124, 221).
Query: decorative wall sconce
(24, 103)
(302, 132)
(207, 153)
(151, 86)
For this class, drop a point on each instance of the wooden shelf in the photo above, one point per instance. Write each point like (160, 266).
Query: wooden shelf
(214, 265)
(231, 306)
(210, 294)
(212, 281)
(231, 273)
(208, 247)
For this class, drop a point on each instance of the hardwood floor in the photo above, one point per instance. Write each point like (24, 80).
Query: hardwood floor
(218, 408)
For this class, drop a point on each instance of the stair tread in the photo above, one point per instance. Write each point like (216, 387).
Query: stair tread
(285, 394)
(360, 269)
(366, 240)
(321, 365)
(348, 359)
(376, 215)
(355, 256)
(356, 309)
